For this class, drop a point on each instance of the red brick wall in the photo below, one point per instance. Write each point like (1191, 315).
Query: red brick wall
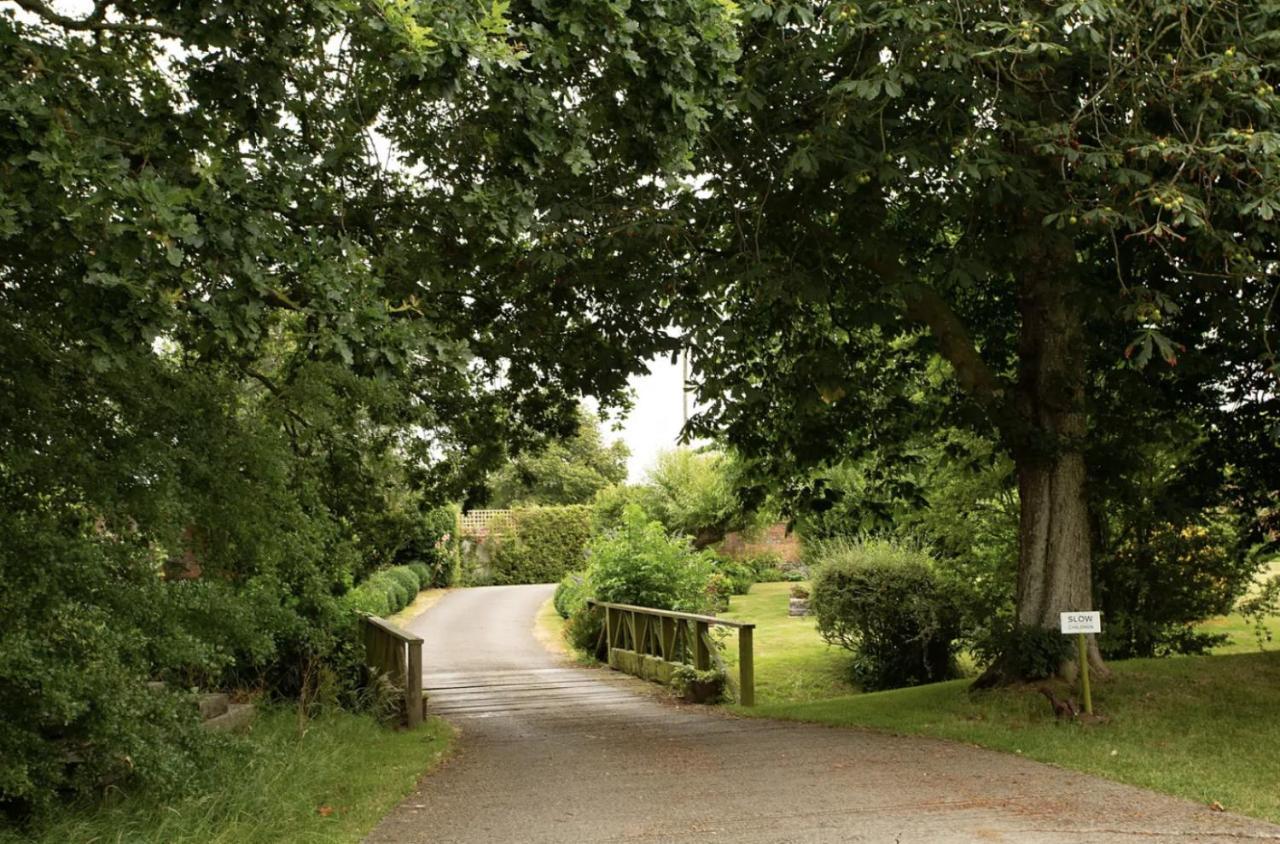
(773, 539)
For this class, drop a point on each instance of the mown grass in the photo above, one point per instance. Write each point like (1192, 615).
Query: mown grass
(793, 664)
(1198, 727)
(331, 783)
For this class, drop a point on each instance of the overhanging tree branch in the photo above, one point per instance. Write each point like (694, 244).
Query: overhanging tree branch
(975, 375)
(96, 21)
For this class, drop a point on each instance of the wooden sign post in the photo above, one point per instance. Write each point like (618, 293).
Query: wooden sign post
(1082, 624)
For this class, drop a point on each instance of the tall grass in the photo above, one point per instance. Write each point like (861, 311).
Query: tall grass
(331, 783)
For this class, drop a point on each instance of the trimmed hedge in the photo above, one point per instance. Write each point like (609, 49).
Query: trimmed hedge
(542, 544)
(388, 591)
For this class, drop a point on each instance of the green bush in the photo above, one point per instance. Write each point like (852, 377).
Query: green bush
(639, 564)
(435, 545)
(387, 591)
(425, 576)
(407, 578)
(583, 630)
(884, 601)
(571, 594)
(717, 592)
(542, 544)
(739, 575)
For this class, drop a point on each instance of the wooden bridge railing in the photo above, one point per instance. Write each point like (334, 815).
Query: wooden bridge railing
(651, 643)
(398, 654)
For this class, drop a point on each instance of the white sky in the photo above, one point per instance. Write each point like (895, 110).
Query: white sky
(654, 423)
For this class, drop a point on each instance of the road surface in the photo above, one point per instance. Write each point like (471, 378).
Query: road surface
(550, 752)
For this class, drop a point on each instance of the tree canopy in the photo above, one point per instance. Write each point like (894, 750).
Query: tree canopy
(563, 471)
(1068, 204)
(277, 279)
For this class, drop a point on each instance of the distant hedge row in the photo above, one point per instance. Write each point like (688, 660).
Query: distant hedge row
(541, 544)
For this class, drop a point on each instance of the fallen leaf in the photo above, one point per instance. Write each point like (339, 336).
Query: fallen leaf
(325, 811)
(1217, 807)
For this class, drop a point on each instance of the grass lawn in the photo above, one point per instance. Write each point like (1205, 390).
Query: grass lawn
(792, 663)
(1199, 727)
(331, 784)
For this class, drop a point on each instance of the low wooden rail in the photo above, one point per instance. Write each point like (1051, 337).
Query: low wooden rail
(651, 643)
(398, 654)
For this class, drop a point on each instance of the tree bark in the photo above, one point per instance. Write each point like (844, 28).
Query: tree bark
(1055, 538)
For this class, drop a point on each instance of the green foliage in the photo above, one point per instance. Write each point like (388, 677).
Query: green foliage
(541, 544)
(238, 342)
(583, 630)
(696, 686)
(885, 602)
(1264, 603)
(236, 795)
(571, 593)
(388, 591)
(612, 501)
(423, 571)
(1032, 653)
(640, 564)
(740, 575)
(429, 541)
(1156, 585)
(769, 567)
(568, 471)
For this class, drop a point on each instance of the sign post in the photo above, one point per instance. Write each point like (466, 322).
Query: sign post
(1082, 624)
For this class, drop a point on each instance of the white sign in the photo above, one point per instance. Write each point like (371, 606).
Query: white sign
(1081, 622)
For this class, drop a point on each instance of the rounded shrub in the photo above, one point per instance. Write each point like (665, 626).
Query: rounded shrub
(423, 571)
(571, 594)
(397, 595)
(368, 598)
(885, 601)
(583, 630)
(408, 580)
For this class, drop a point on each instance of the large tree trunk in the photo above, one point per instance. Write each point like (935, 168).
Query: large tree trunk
(1055, 540)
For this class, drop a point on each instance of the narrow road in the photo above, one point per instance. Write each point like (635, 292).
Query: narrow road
(553, 753)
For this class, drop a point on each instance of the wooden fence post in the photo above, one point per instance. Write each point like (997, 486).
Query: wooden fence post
(701, 653)
(746, 667)
(413, 685)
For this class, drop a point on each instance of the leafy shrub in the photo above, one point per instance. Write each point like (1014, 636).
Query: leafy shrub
(639, 564)
(571, 594)
(408, 578)
(1157, 580)
(1030, 653)
(768, 567)
(425, 576)
(385, 592)
(583, 630)
(542, 544)
(716, 593)
(740, 576)
(610, 502)
(885, 602)
(699, 686)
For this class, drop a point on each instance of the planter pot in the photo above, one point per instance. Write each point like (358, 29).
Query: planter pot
(798, 607)
(703, 691)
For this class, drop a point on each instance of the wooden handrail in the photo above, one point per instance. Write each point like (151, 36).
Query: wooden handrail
(398, 654)
(392, 630)
(666, 638)
(688, 616)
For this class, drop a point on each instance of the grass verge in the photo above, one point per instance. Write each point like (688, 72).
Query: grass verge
(426, 599)
(331, 784)
(1198, 727)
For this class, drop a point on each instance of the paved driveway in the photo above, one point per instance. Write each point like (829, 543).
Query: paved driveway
(548, 752)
